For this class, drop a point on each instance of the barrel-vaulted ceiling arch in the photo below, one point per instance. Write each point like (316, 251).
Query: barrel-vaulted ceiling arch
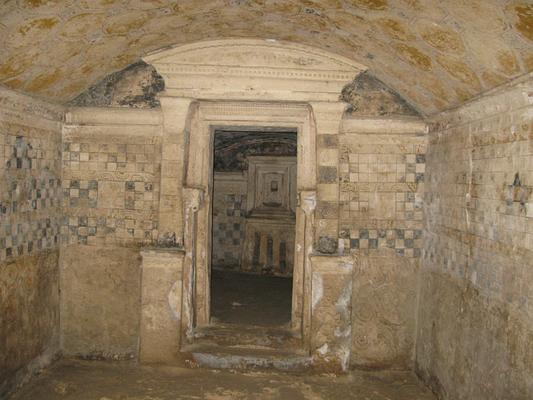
(435, 53)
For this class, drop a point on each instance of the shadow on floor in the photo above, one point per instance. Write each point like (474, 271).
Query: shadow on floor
(245, 299)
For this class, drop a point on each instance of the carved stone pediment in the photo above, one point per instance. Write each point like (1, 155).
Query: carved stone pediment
(253, 69)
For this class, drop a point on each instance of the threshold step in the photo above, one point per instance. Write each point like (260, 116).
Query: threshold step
(251, 336)
(247, 358)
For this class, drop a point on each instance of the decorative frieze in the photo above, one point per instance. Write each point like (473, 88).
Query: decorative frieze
(266, 70)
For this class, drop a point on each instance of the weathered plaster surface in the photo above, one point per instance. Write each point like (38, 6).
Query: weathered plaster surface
(161, 303)
(111, 165)
(433, 52)
(30, 194)
(384, 303)
(29, 310)
(382, 164)
(331, 310)
(100, 301)
(475, 329)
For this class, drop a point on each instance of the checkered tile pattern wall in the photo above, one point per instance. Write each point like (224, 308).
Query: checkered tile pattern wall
(228, 229)
(110, 190)
(381, 195)
(30, 194)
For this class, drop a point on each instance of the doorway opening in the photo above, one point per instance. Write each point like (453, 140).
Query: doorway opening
(253, 226)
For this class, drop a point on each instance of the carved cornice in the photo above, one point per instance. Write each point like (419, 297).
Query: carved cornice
(255, 72)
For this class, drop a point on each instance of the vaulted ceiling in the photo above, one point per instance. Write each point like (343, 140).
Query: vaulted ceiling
(435, 53)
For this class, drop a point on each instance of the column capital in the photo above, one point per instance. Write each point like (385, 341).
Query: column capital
(170, 101)
(308, 201)
(329, 110)
(328, 116)
(175, 113)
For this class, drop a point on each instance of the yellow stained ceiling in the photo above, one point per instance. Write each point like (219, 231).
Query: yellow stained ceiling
(435, 53)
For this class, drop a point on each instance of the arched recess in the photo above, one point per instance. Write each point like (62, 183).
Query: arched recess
(247, 84)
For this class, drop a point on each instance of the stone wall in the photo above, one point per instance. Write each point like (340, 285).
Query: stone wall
(111, 177)
(475, 323)
(30, 193)
(382, 169)
(229, 208)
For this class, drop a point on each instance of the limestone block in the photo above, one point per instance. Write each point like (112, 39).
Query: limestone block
(161, 296)
(331, 309)
(100, 293)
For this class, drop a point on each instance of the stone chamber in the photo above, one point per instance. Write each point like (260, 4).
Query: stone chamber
(266, 199)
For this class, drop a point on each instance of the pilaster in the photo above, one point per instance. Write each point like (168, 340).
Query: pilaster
(328, 116)
(176, 111)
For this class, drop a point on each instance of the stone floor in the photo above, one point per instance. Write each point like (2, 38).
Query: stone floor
(97, 380)
(246, 299)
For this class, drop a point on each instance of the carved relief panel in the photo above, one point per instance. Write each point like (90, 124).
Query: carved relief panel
(271, 186)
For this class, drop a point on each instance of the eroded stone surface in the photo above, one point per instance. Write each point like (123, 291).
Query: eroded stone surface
(30, 218)
(384, 311)
(135, 86)
(100, 307)
(369, 97)
(29, 306)
(331, 310)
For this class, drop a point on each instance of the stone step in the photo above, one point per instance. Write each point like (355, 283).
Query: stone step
(222, 346)
(278, 338)
(247, 358)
